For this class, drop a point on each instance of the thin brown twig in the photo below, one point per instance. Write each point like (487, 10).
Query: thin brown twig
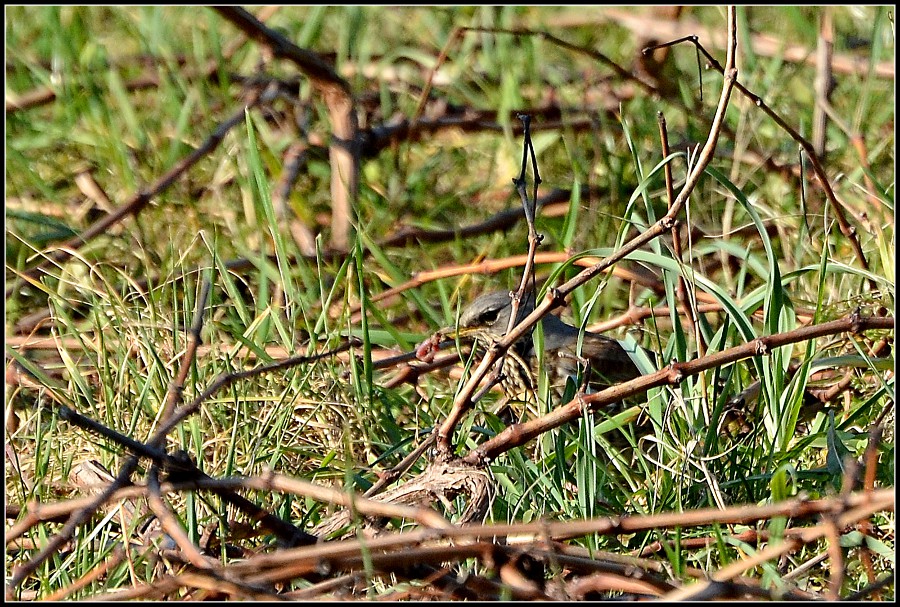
(377, 138)
(746, 588)
(830, 528)
(216, 585)
(36, 512)
(295, 158)
(860, 146)
(844, 383)
(640, 571)
(620, 71)
(593, 585)
(175, 393)
(174, 397)
(648, 87)
(635, 315)
(873, 588)
(424, 515)
(455, 35)
(411, 372)
(751, 536)
(155, 591)
(226, 379)
(181, 465)
(527, 283)
(870, 461)
(530, 208)
(824, 81)
(340, 582)
(153, 452)
(836, 557)
(526, 289)
(805, 566)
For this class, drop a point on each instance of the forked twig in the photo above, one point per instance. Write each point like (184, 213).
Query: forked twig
(467, 395)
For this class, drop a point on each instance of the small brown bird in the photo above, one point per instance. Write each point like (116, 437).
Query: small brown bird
(486, 320)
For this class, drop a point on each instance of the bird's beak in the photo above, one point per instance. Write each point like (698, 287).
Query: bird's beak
(454, 332)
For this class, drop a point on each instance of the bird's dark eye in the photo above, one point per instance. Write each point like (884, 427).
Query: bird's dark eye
(489, 317)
